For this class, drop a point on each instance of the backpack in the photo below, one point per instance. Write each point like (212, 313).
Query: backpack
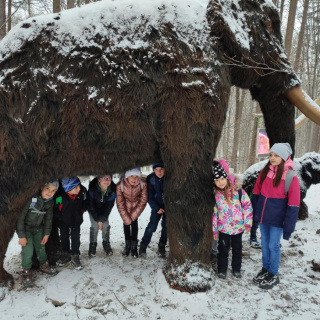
(288, 180)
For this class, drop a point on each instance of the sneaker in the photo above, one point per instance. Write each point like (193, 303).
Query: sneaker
(45, 268)
(255, 244)
(260, 276)
(64, 258)
(222, 275)
(236, 274)
(107, 248)
(142, 251)
(161, 250)
(75, 261)
(269, 281)
(26, 278)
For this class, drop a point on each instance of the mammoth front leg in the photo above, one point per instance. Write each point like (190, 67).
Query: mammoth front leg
(192, 130)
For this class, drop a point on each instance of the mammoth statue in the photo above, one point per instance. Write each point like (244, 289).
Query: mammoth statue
(119, 84)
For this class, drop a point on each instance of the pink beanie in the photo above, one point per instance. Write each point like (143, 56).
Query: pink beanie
(224, 164)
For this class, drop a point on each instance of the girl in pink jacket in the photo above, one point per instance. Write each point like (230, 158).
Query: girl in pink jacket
(231, 218)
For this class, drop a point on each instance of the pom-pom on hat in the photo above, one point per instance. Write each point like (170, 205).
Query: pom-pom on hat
(283, 150)
(158, 165)
(53, 183)
(218, 172)
(133, 172)
(224, 165)
(70, 183)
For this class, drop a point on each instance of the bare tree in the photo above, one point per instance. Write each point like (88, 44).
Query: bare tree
(290, 26)
(56, 6)
(70, 4)
(3, 24)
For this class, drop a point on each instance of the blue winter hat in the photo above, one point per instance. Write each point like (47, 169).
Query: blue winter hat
(158, 165)
(283, 150)
(70, 183)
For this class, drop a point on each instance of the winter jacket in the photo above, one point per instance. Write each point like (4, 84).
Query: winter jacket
(155, 192)
(69, 210)
(101, 203)
(132, 201)
(36, 213)
(231, 218)
(272, 206)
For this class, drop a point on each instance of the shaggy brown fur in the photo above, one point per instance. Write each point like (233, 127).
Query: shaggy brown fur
(53, 124)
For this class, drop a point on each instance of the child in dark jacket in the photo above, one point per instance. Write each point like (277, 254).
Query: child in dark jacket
(276, 212)
(155, 182)
(33, 229)
(231, 218)
(69, 209)
(102, 195)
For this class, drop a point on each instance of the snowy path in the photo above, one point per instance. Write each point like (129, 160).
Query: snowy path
(125, 288)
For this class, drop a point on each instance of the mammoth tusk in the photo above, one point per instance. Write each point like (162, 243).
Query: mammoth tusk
(302, 118)
(304, 103)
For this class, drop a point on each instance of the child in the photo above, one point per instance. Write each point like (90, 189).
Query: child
(102, 195)
(132, 197)
(69, 209)
(155, 199)
(276, 212)
(33, 229)
(232, 216)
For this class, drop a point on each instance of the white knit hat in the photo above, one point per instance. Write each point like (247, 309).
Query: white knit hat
(283, 150)
(133, 172)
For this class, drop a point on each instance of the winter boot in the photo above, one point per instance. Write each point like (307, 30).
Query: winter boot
(260, 276)
(45, 268)
(269, 281)
(161, 250)
(134, 249)
(92, 249)
(26, 278)
(75, 261)
(127, 248)
(64, 258)
(107, 248)
(142, 251)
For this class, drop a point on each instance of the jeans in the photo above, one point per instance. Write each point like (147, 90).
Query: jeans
(152, 227)
(34, 240)
(94, 229)
(270, 243)
(131, 231)
(65, 234)
(225, 241)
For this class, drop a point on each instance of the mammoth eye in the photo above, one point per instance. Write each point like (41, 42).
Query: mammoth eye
(269, 26)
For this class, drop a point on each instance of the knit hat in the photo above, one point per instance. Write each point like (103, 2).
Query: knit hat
(133, 172)
(218, 172)
(283, 150)
(53, 183)
(158, 165)
(224, 165)
(70, 183)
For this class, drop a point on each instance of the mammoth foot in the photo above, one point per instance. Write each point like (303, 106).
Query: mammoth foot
(6, 279)
(303, 211)
(189, 277)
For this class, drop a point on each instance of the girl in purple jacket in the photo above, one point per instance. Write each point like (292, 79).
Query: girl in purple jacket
(232, 216)
(276, 212)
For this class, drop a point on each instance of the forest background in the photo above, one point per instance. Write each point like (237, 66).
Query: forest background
(301, 36)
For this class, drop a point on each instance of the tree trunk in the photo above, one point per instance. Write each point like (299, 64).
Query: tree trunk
(56, 6)
(281, 9)
(87, 1)
(70, 4)
(253, 147)
(3, 19)
(301, 36)
(290, 26)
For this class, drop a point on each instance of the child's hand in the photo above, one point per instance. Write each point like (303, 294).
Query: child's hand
(23, 242)
(248, 229)
(100, 224)
(160, 211)
(44, 240)
(215, 237)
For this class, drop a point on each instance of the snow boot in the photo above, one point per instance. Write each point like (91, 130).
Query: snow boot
(134, 249)
(142, 251)
(92, 249)
(127, 248)
(26, 278)
(64, 259)
(161, 250)
(107, 248)
(236, 274)
(45, 268)
(75, 261)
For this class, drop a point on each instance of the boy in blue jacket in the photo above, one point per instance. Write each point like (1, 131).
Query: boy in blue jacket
(155, 182)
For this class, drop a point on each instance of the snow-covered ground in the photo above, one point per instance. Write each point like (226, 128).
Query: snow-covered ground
(126, 288)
